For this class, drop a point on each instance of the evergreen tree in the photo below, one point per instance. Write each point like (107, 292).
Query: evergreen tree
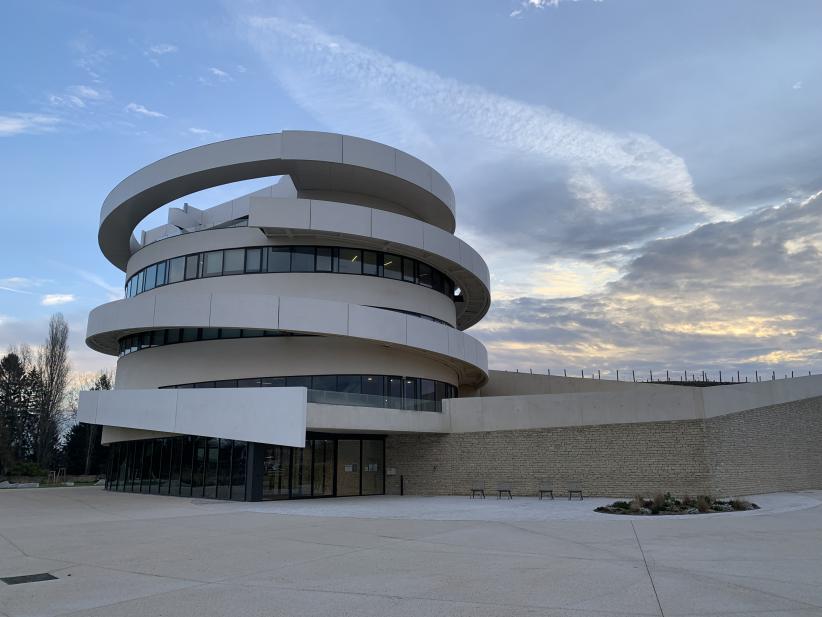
(82, 451)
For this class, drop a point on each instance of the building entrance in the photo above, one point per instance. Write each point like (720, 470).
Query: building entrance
(326, 467)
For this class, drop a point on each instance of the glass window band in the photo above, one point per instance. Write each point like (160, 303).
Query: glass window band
(254, 260)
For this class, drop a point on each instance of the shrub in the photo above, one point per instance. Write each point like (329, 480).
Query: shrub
(637, 503)
(660, 502)
(704, 503)
(25, 468)
(741, 504)
(621, 505)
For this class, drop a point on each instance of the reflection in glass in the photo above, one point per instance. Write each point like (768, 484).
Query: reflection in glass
(350, 261)
(210, 477)
(348, 467)
(372, 462)
(301, 471)
(323, 477)
(302, 259)
(392, 266)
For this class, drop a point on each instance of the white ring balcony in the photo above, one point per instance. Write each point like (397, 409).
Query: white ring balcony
(109, 322)
(316, 162)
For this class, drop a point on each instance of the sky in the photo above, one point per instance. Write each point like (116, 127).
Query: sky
(643, 178)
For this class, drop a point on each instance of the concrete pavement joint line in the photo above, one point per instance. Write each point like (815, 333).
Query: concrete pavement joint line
(17, 548)
(443, 600)
(84, 611)
(290, 564)
(598, 549)
(647, 569)
(714, 579)
(268, 588)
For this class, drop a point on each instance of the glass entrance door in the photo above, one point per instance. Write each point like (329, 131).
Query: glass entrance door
(276, 472)
(348, 467)
(325, 467)
(323, 482)
(372, 462)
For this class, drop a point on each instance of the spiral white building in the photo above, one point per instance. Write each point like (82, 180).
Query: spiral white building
(307, 340)
(342, 287)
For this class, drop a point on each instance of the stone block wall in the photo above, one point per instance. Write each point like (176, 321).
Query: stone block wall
(761, 450)
(613, 459)
(777, 448)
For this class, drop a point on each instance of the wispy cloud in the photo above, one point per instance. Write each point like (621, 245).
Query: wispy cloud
(79, 96)
(546, 164)
(136, 108)
(113, 292)
(526, 5)
(89, 57)
(20, 123)
(797, 85)
(202, 133)
(219, 73)
(155, 52)
(21, 284)
(57, 299)
(163, 49)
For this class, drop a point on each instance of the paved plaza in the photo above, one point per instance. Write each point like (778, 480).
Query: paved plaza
(116, 554)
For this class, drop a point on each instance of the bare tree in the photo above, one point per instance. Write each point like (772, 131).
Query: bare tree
(104, 381)
(52, 368)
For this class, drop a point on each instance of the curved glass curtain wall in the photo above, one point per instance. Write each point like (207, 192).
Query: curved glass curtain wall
(186, 466)
(261, 259)
(172, 336)
(384, 391)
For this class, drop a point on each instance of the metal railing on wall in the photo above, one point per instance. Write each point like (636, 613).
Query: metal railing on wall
(688, 377)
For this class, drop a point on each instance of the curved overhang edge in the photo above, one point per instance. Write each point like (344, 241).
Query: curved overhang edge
(288, 153)
(108, 322)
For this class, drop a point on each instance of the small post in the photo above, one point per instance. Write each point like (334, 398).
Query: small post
(651, 373)
(791, 374)
(617, 374)
(756, 375)
(737, 377)
(720, 376)
(532, 370)
(582, 372)
(773, 377)
(549, 372)
(667, 377)
(599, 374)
(565, 372)
(686, 374)
(633, 374)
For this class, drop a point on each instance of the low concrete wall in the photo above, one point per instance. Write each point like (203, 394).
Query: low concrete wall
(771, 448)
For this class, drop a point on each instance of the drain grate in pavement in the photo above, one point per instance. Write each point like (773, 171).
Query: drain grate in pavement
(28, 578)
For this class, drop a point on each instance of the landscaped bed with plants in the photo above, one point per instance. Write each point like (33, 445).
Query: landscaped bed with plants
(667, 504)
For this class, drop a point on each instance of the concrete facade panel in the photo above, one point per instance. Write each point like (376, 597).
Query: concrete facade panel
(371, 323)
(181, 309)
(364, 153)
(428, 335)
(394, 228)
(307, 315)
(312, 146)
(414, 170)
(341, 218)
(247, 311)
